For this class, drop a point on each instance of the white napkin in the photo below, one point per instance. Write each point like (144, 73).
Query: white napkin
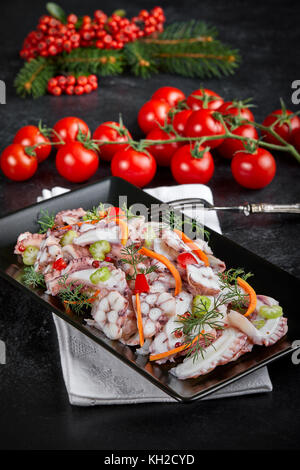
(93, 376)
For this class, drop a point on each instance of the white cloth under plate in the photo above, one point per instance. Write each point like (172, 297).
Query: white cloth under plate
(93, 376)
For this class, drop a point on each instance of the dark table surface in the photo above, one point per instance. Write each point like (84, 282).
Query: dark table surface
(34, 408)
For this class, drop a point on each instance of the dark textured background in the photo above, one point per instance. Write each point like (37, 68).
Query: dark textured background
(34, 409)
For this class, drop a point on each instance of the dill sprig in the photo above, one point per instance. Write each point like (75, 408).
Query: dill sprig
(31, 278)
(72, 295)
(207, 314)
(45, 220)
(133, 257)
(94, 213)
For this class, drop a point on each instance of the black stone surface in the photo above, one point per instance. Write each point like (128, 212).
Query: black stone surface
(34, 408)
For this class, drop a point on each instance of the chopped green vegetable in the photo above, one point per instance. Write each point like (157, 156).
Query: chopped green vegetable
(101, 275)
(30, 254)
(150, 236)
(201, 304)
(259, 324)
(99, 249)
(270, 312)
(68, 238)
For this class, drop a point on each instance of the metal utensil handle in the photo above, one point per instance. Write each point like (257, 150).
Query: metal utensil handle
(279, 208)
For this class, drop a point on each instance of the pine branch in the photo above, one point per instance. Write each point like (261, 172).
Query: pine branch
(33, 77)
(189, 32)
(189, 49)
(92, 60)
(139, 57)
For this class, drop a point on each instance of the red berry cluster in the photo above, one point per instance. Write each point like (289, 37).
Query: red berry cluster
(71, 85)
(114, 32)
(53, 37)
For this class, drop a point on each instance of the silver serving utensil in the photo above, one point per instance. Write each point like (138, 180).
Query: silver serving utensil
(246, 209)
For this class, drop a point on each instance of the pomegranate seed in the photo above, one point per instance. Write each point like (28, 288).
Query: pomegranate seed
(96, 264)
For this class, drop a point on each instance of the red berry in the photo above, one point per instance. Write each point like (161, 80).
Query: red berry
(108, 259)
(96, 264)
(52, 82)
(177, 345)
(82, 80)
(79, 90)
(72, 18)
(92, 79)
(52, 50)
(88, 88)
(56, 91)
(62, 81)
(71, 80)
(70, 90)
(177, 333)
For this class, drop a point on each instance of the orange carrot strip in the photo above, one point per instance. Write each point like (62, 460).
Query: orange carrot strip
(124, 229)
(156, 357)
(252, 295)
(194, 247)
(139, 319)
(178, 286)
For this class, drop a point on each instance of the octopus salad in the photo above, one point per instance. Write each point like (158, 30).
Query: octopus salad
(149, 286)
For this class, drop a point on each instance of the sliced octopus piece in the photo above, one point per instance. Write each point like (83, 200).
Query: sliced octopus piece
(112, 314)
(28, 239)
(272, 331)
(156, 309)
(109, 233)
(202, 280)
(69, 217)
(223, 350)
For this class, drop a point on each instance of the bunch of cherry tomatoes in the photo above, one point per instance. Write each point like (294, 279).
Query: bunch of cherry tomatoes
(174, 126)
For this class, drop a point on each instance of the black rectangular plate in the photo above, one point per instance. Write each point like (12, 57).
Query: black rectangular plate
(269, 280)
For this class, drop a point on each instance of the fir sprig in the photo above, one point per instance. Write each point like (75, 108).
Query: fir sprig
(33, 78)
(31, 278)
(188, 48)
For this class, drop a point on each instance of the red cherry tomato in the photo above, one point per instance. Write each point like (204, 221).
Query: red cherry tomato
(296, 139)
(236, 108)
(153, 113)
(28, 136)
(136, 167)
(76, 163)
(106, 132)
(180, 119)
(186, 258)
(255, 170)
(67, 129)
(187, 169)
(169, 94)
(162, 152)
(59, 264)
(230, 146)
(141, 284)
(284, 128)
(16, 164)
(204, 99)
(202, 123)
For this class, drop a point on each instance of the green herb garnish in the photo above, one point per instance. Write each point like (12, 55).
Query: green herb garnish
(46, 220)
(31, 278)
